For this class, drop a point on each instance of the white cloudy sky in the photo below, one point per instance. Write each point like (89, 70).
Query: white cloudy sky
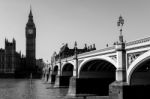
(66, 21)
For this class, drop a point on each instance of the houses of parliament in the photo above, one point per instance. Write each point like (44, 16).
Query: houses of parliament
(12, 63)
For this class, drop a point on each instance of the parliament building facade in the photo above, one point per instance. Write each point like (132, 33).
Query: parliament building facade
(9, 58)
(12, 62)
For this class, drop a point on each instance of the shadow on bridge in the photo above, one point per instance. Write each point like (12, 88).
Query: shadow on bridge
(94, 78)
(63, 79)
(139, 82)
(54, 73)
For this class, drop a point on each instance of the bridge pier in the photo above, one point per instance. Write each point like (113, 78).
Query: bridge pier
(45, 77)
(57, 81)
(50, 77)
(53, 78)
(53, 74)
(72, 92)
(117, 88)
(95, 86)
(89, 86)
(62, 81)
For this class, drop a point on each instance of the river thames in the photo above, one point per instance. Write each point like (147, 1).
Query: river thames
(33, 89)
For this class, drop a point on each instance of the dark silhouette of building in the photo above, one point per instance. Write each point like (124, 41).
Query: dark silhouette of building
(40, 65)
(9, 59)
(2, 60)
(30, 32)
(17, 65)
(10, 49)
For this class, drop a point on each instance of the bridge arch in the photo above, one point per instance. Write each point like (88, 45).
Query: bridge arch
(67, 63)
(67, 69)
(67, 72)
(55, 70)
(54, 73)
(138, 72)
(99, 73)
(97, 58)
(49, 70)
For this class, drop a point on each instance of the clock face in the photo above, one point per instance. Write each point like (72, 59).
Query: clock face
(30, 31)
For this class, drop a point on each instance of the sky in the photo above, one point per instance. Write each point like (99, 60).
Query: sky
(66, 21)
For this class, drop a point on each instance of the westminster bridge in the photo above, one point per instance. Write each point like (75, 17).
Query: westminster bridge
(122, 70)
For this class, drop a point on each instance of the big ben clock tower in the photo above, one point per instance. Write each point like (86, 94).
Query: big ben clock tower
(30, 32)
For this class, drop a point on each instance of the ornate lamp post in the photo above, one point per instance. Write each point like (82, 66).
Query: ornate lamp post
(59, 63)
(121, 54)
(120, 24)
(75, 47)
(76, 58)
(73, 80)
(116, 89)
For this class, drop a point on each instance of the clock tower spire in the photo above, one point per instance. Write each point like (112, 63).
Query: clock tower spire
(30, 19)
(30, 32)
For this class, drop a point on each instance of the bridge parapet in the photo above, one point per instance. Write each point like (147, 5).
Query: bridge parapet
(67, 59)
(133, 50)
(104, 51)
(138, 43)
(98, 52)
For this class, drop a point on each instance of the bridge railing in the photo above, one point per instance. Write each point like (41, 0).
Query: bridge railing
(67, 59)
(138, 41)
(105, 50)
(88, 53)
(97, 51)
(141, 41)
